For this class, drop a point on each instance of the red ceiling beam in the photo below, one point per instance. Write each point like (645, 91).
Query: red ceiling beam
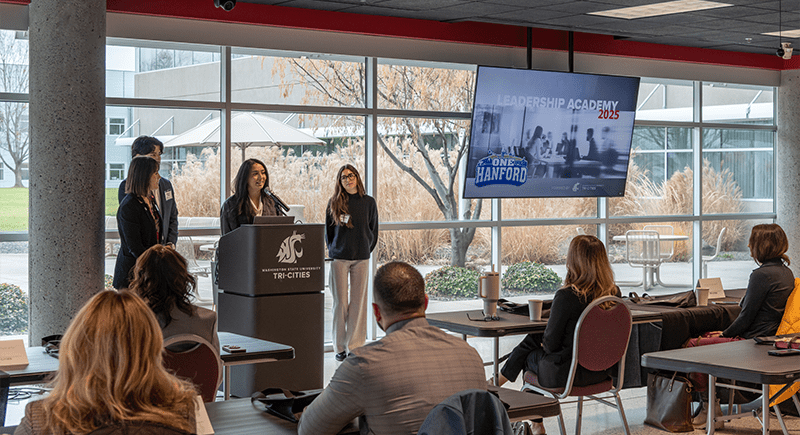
(461, 32)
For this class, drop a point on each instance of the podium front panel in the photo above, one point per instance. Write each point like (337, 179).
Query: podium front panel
(256, 260)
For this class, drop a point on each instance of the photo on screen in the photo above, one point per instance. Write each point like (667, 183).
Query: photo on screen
(549, 134)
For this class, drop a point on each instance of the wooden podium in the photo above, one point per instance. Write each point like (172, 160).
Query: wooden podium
(271, 281)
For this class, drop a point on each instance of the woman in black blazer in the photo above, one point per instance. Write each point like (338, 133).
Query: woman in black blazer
(249, 197)
(138, 218)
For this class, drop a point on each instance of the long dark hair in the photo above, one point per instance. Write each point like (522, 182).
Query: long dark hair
(243, 206)
(337, 205)
(161, 278)
(139, 173)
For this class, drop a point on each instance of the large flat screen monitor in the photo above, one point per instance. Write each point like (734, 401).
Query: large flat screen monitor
(549, 134)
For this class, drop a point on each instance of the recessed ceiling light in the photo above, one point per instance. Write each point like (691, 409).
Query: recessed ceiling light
(785, 33)
(656, 9)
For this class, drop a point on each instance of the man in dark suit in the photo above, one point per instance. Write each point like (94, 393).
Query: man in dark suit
(165, 197)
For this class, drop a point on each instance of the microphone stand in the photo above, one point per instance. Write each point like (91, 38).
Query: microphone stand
(282, 207)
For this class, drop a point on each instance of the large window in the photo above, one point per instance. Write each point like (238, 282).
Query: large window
(404, 125)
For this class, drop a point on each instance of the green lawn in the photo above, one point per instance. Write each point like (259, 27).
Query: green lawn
(14, 208)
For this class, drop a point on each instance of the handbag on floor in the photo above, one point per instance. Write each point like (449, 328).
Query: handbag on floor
(669, 402)
(284, 403)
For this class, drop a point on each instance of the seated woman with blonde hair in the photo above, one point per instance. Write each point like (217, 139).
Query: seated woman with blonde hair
(161, 277)
(110, 376)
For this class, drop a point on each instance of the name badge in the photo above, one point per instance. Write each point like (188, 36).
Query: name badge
(168, 195)
(345, 218)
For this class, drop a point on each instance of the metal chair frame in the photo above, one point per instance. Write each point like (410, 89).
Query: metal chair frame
(707, 258)
(594, 305)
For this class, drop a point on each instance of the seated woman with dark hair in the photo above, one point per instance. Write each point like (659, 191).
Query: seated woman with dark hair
(762, 305)
(161, 278)
(110, 376)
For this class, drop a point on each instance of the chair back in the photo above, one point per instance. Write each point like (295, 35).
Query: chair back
(601, 338)
(719, 245)
(477, 412)
(200, 364)
(666, 249)
(642, 248)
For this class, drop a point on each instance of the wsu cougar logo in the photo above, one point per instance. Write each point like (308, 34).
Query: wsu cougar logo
(288, 253)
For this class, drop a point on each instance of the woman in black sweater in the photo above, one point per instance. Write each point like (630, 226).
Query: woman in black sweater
(769, 287)
(589, 276)
(351, 222)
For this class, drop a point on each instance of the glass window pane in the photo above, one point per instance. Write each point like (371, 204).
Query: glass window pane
(13, 62)
(672, 257)
(679, 138)
(14, 143)
(664, 100)
(277, 77)
(737, 104)
(139, 69)
(417, 164)
(14, 282)
(648, 138)
(740, 163)
(410, 85)
(544, 245)
(305, 175)
(733, 263)
(659, 183)
(195, 197)
(548, 208)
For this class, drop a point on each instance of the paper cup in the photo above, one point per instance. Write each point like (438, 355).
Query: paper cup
(535, 309)
(702, 296)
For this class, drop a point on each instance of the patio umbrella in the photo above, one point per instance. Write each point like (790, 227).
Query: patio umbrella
(247, 129)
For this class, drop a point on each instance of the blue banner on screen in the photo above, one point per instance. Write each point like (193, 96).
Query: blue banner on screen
(549, 134)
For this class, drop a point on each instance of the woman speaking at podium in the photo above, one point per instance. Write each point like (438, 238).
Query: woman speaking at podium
(351, 224)
(250, 198)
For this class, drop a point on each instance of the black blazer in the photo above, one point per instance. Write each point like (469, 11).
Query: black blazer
(168, 210)
(137, 232)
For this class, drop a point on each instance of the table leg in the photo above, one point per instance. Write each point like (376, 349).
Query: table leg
(496, 364)
(712, 401)
(226, 373)
(765, 408)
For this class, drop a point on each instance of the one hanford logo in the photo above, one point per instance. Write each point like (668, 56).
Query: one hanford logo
(289, 252)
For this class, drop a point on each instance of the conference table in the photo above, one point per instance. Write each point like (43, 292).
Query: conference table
(242, 417)
(681, 322)
(743, 361)
(41, 365)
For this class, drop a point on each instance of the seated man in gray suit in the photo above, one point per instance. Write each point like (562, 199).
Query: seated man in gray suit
(393, 383)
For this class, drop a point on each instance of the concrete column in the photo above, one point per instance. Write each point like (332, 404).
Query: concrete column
(67, 126)
(788, 163)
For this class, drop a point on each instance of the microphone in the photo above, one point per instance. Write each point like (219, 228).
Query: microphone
(281, 205)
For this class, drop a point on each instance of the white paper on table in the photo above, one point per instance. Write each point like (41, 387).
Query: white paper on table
(714, 286)
(201, 417)
(12, 353)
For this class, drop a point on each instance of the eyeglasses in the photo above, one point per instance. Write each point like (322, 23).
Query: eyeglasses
(348, 177)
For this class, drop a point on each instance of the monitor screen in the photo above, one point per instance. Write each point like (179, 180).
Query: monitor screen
(542, 134)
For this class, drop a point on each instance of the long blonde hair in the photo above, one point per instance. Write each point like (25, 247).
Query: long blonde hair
(110, 371)
(588, 269)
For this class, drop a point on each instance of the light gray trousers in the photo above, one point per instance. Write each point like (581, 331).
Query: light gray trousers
(349, 316)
